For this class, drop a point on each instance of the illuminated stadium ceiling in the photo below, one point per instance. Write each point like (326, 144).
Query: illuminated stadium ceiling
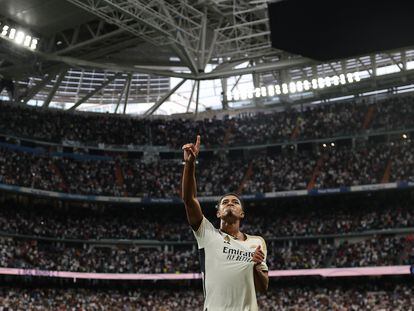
(148, 57)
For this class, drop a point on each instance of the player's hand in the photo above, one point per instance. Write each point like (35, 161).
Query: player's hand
(258, 255)
(191, 150)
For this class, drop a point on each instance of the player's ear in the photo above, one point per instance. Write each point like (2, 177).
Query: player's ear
(218, 211)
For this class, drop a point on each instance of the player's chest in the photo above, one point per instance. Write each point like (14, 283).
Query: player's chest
(227, 250)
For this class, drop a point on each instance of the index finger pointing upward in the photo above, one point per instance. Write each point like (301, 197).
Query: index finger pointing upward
(197, 144)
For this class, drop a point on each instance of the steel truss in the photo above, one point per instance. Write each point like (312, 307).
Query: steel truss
(226, 33)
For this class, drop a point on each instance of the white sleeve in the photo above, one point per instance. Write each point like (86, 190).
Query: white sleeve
(204, 233)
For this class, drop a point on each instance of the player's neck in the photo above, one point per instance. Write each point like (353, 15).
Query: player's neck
(232, 229)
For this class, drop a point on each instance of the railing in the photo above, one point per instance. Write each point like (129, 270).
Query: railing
(146, 242)
(141, 148)
(326, 272)
(204, 199)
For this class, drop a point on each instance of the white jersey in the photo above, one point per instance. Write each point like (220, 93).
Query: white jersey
(227, 269)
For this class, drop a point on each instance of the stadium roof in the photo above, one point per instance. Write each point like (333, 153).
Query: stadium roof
(163, 57)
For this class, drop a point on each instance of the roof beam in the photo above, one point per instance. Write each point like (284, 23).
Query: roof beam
(163, 99)
(40, 85)
(191, 97)
(283, 64)
(128, 89)
(121, 95)
(54, 89)
(197, 99)
(89, 95)
(188, 57)
(112, 67)
(112, 13)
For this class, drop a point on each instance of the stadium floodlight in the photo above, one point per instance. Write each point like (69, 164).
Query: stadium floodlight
(342, 79)
(257, 92)
(19, 37)
(236, 95)
(299, 86)
(321, 83)
(250, 94)
(27, 41)
(404, 136)
(33, 45)
(263, 91)
(277, 89)
(292, 87)
(314, 84)
(324, 145)
(306, 85)
(332, 144)
(285, 89)
(335, 80)
(5, 30)
(271, 90)
(357, 77)
(350, 77)
(328, 82)
(12, 33)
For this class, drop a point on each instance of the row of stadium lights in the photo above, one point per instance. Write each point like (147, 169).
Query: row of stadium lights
(326, 145)
(295, 87)
(19, 37)
(332, 144)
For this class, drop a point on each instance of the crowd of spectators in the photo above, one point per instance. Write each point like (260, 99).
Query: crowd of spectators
(288, 170)
(364, 165)
(338, 298)
(126, 258)
(402, 166)
(94, 299)
(394, 113)
(98, 177)
(377, 251)
(33, 254)
(315, 254)
(350, 216)
(374, 251)
(339, 119)
(272, 220)
(292, 298)
(57, 126)
(309, 122)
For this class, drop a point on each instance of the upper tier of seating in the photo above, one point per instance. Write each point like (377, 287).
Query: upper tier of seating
(311, 122)
(371, 163)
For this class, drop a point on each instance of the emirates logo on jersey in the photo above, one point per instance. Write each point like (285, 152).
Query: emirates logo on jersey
(237, 254)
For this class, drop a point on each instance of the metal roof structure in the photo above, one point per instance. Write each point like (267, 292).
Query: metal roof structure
(124, 53)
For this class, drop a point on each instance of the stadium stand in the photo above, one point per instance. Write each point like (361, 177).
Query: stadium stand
(310, 295)
(289, 218)
(290, 170)
(313, 122)
(320, 152)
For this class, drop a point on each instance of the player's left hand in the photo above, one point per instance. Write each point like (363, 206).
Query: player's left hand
(258, 255)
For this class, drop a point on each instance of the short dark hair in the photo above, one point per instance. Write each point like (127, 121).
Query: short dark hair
(230, 193)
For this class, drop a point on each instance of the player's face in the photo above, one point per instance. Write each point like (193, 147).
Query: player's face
(230, 206)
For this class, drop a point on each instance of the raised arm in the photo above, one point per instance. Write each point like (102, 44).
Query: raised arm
(189, 186)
